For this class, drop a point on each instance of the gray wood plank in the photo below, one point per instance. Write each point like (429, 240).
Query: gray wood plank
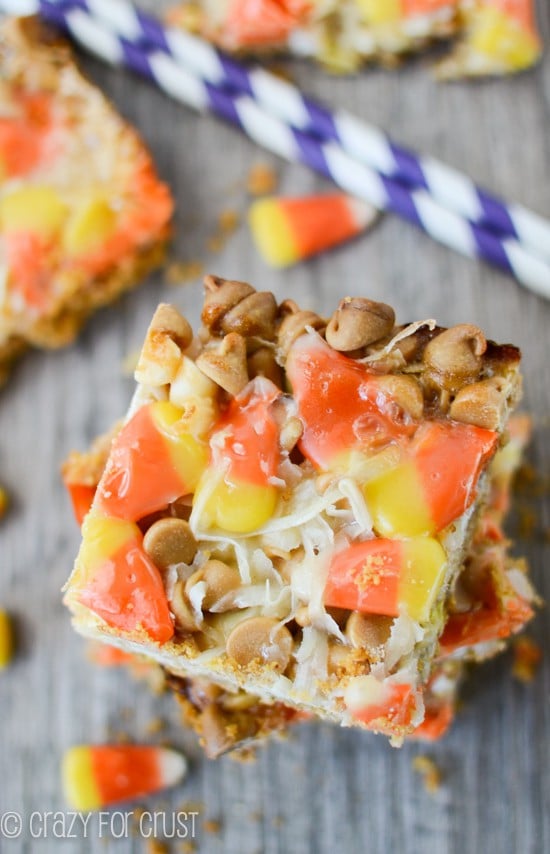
(323, 789)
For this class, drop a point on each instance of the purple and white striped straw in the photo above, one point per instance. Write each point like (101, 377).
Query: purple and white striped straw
(327, 158)
(362, 141)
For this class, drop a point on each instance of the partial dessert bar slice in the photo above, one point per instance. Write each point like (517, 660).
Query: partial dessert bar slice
(496, 36)
(491, 601)
(289, 502)
(83, 215)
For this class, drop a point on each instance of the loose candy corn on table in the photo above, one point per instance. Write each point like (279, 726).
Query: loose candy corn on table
(324, 788)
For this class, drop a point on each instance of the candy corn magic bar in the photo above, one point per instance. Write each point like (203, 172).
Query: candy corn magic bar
(496, 36)
(82, 214)
(484, 611)
(289, 504)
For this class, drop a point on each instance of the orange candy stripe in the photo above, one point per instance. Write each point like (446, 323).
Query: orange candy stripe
(365, 577)
(521, 10)
(140, 477)
(255, 22)
(27, 262)
(449, 459)
(24, 140)
(485, 625)
(425, 7)
(319, 222)
(127, 592)
(81, 496)
(339, 403)
(105, 655)
(250, 453)
(125, 772)
(397, 708)
(436, 722)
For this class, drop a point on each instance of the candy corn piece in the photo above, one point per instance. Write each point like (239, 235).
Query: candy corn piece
(376, 703)
(154, 460)
(6, 640)
(289, 230)
(237, 492)
(387, 577)
(98, 776)
(118, 581)
(352, 419)
(500, 38)
(68, 244)
(294, 504)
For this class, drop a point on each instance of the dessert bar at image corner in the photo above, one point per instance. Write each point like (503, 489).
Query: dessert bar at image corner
(83, 216)
(487, 36)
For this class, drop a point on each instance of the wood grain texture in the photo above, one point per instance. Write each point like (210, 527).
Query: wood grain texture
(324, 789)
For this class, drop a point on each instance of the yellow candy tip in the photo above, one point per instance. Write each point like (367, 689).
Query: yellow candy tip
(79, 787)
(272, 234)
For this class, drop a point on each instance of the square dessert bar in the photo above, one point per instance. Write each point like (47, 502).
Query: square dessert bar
(82, 214)
(289, 504)
(483, 612)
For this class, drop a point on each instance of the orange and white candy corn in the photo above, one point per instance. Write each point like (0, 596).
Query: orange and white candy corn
(288, 230)
(97, 776)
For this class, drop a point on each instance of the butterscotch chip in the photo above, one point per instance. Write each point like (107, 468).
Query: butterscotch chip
(170, 541)
(260, 639)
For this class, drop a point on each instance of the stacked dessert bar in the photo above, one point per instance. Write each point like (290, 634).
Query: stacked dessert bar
(302, 516)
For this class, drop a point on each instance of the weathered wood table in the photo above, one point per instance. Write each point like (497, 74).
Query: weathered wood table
(324, 789)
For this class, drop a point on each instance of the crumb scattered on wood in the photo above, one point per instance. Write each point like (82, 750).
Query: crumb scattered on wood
(246, 755)
(126, 713)
(155, 726)
(527, 656)
(261, 180)
(182, 272)
(212, 825)
(228, 222)
(428, 770)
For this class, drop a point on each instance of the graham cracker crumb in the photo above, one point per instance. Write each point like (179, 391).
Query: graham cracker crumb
(428, 770)
(228, 222)
(155, 726)
(215, 243)
(187, 847)
(212, 825)
(527, 656)
(126, 713)
(246, 755)
(182, 272)
(261, 180)
(153, 846)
